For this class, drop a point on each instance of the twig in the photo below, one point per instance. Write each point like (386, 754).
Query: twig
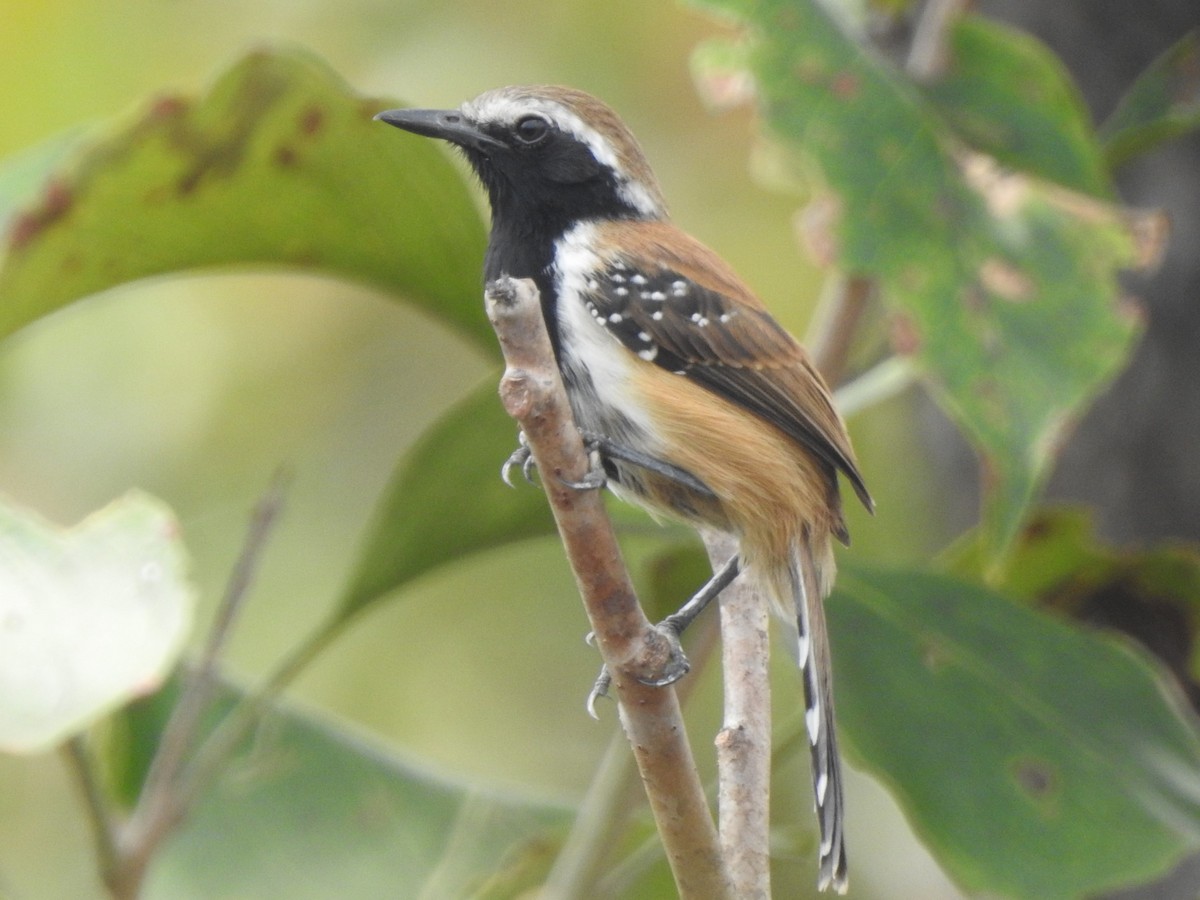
(532, 393)
(619, 879)
(928, 56)
(100, 818)
(837, 317)
(208, 761)
(180, 731)
(879, 383)
(744, 742)
(165, 798)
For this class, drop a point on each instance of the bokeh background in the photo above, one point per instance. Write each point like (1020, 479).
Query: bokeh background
(199, 388)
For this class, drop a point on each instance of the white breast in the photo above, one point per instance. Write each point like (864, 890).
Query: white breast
(596, 366)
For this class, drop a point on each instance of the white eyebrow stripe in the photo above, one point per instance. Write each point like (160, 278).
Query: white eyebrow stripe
(504, 108)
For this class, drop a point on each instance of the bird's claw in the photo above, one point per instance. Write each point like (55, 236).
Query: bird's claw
(522, 457)
(599, 689)
(675, 667)
(593, 480)
(595, 477)
(676, 664)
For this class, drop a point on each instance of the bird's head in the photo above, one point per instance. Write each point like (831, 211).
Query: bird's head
(553, 153)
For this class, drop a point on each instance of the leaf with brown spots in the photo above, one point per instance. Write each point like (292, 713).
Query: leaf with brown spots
(1002, 283)
(278, 164)
(1006, 94)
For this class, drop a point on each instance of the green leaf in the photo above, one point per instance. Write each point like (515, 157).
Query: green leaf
(22, 175)
(1004, 93)
(446, 501)
(1151, 595)
(1009, 735)
(279, 164)
(130, 738)
(1002, 287)
(92, 616)
(310, 812)
(1162, 104)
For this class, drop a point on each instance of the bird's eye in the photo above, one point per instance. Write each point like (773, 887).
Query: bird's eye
(532, 130)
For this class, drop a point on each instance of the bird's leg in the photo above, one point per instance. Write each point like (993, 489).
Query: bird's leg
(599, 448)
(671, 628)
(612, 450)
(687, 613)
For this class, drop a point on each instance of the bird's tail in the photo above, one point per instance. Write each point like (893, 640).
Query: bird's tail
(808, 578)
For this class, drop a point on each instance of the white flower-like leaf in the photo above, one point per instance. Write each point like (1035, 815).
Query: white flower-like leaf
(90, 616)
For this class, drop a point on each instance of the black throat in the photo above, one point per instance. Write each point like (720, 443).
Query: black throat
(531, 212)
(522, 246)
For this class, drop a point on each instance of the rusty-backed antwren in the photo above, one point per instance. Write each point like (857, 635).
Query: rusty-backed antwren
(697, 401)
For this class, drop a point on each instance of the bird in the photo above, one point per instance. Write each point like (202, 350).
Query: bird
(699, 404)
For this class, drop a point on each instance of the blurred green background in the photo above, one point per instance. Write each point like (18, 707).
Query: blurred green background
(198, 388)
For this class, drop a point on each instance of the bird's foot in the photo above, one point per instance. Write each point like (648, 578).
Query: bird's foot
(667, 663)
(521, 457)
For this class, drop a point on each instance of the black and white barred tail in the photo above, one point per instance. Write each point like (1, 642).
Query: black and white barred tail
(809, 586)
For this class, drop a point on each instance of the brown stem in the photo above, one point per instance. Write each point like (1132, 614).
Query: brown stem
(532, 392)
(611, 800)
(182, 728)
(105, 829)
(833, 328)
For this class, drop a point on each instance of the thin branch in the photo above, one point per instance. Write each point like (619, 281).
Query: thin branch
(262, 523)
(208, 761)
(532, 393)
(100, 817)
(181, 730)
(165, 797)
(744, 742)
(929, 54)
(140, 838)
(881, 382)
(832, 330)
